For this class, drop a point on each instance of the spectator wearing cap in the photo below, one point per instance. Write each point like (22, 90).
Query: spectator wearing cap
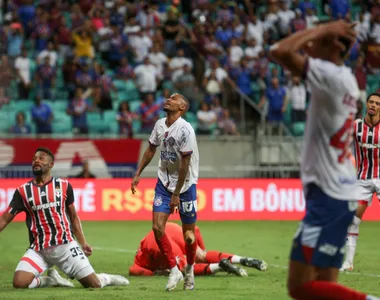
(146, 77)
(15, 39)
(305, 4)
(45, 77)
(22, 67)
(42, 116)
(149, 113)
(20, 127)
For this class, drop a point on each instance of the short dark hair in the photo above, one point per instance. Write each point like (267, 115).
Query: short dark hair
(373, 94)
(46, 150)
(186, 101)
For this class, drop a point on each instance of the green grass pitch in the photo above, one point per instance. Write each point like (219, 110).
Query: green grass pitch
(115, 243)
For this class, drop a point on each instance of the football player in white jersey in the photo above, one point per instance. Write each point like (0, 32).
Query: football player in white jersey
(327, 173)
(176, 186)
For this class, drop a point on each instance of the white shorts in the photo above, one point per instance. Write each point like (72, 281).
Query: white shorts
(69, 258)
(366, 189)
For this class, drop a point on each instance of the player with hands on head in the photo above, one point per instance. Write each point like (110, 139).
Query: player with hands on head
(327, 173)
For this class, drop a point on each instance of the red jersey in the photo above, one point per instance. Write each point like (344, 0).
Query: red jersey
(366, 142)
(150, 257)
(45, 207)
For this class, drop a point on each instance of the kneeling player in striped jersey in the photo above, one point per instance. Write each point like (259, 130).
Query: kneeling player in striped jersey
(48, 204)
(367, 157)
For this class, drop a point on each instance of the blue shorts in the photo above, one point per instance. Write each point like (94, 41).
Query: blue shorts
(321, 236)
(187, 206)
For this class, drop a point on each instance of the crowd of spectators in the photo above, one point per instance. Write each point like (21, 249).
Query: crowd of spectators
(85, 52)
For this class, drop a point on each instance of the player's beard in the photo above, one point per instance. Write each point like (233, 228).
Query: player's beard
(37, 172)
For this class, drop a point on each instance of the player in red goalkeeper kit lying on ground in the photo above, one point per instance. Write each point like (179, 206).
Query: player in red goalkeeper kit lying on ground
(149, 261)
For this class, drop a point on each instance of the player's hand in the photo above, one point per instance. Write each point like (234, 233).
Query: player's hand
(174, 203)
(340, 29)
(134, 184)
(87, 249)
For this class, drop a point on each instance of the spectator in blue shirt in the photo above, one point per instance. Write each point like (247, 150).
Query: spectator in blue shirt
(42, 116)
(277, 101)
(45, 76)
(243, 76)
(27, 13)
(339, 8)
(78, 109)
(304, 5)
(224, 34)
(20, 127)
(15, 39)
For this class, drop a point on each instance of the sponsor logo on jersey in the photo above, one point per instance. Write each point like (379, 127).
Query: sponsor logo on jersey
(328, 249)
(46, 205)
(168, 156)
(347, 180)
(171, 141)
(369, 146)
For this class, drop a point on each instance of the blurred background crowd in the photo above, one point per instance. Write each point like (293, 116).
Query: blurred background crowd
(106, 67)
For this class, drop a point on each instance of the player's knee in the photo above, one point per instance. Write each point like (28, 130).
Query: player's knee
(189, 237)
(19, 283)
(158, 230)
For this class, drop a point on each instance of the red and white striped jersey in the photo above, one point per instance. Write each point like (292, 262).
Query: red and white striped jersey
(366, 149)
(45, 207)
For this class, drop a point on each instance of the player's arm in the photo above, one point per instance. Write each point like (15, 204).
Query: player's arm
(15, 207)
(147, 158)
(75, 221)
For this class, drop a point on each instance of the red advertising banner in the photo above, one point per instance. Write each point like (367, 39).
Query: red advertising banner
(218, 199)
(102, 153)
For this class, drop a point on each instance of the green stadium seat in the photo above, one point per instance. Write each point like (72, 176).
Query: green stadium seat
(134, 105)
(190, 117)
(96, 123)
(298, 128)
(136, 126)
(62, 123)
(59, 105)
(120, 85)
(114, 127)
(110, 116)
(23, 105)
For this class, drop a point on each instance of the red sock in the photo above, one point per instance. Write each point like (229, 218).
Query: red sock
(215, 256)
(199, 238)
(166, 249)
(191, 250)
(202, 269)
(324, 290)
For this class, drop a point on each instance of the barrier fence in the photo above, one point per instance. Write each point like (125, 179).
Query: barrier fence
(218, 199)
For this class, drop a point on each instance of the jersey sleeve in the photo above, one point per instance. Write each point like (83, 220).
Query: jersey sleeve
(187, 142)
(153, 139)
(70, 195)
(17, 205)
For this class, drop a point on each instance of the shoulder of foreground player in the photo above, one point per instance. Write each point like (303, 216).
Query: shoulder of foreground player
(186, 125)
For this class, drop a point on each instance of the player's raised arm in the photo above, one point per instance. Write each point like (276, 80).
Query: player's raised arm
(75, 222)
(287, 51)
(146, 159)
(15, 207)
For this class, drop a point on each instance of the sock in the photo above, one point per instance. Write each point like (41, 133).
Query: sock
(41, 282)
(206, 269)
(215, 256)
(174, 269)
(104, 279)
(235, 259)
(369, 297)
(166, 249)
(325, 290)
(352, 236)
(199, 238)
(191, 250)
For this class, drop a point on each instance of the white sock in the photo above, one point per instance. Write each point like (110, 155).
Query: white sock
(352, 236)
(369, 297)
(235, 259)
(214, 268)
(190, 269)
(174, 269)
(42, 281)
(104, 279)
